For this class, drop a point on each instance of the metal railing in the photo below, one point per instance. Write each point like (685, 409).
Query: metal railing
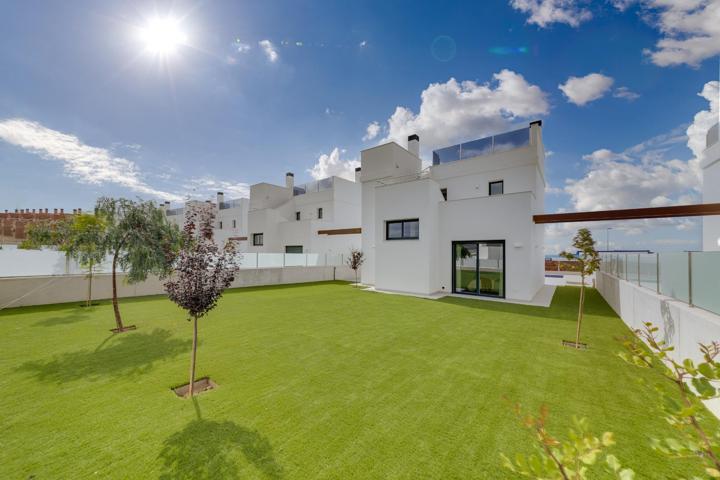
(483, 146)
(690, 277)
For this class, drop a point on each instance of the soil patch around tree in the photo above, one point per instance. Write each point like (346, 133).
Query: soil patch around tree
(200, 385)
(126, 328)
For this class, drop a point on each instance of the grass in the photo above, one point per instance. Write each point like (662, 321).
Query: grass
(315, 381)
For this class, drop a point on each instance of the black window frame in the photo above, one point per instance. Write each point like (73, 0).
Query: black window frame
(402, 229)
(297, 216)
(220, 225)
(443, 192)
(320, 213)
(255, 237)
(234, 223)
(502, 188)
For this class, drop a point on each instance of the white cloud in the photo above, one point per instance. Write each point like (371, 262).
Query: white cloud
(546, 12)
(331, 165)
(269, 50)
(363, 43)
(641, 175)
(626, 94)
(691, 30)
(86, 164)
(372, 131)
(242, 47)
(207, 186)
(581, 90)
(454, 111)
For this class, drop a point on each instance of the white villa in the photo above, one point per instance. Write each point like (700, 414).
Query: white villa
(319, 217)
(230, 219)
(710, 166)
(463, 225)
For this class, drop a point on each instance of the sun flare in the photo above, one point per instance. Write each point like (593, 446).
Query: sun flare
(162, 35)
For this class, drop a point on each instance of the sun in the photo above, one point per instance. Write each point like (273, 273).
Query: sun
(162, 35)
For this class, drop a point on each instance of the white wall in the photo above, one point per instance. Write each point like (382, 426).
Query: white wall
(45, 290)
(711, 194)
(681, 325)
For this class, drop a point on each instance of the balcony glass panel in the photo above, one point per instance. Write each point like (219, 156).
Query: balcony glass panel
(446, 155)
(706, 281)
(295, 259)
(270, 260)
(511, 140)
(648, 270)
(476, 148)
(632, 268)
(674, 281)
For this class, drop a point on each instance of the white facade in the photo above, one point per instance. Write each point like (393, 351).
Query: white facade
(470, 242)
(710, 165)
(294, 219)
(230, 219)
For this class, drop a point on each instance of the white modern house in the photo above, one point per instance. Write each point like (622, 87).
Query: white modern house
(321, 217)
(230, 219)
(710, 165)
(463, 225)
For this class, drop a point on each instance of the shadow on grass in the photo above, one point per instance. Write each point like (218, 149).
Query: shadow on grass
(74, 315)
(564, 305)
(206, 449)
(127, 354)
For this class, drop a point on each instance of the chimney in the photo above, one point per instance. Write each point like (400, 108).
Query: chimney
(357, 174)
(220, 198)
(289, 180)
(414, 144)
(62, 211)
(46, 210)
(74, 211)
(54, 211)
(79, 211)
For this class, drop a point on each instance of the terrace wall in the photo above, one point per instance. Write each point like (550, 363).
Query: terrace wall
(44, 290)
(681, 325)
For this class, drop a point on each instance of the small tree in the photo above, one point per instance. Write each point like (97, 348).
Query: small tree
(202, 272)
(686, 416)
(588, 262)
(140, 240)
(355, 262)
(82, 238)
(577, 458)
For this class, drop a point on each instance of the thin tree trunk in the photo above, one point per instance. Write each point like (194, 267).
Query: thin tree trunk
(118, 320)
(192, 360)
(90, 276)
(580, 313)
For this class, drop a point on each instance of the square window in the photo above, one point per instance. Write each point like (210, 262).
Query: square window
(496, 188)
(257, 239)
(402, 229)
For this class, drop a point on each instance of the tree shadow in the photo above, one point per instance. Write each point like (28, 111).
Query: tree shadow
(74, 315)
(205, 449)
(129, 354)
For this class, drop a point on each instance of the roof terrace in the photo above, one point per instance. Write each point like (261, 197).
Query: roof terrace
(483, 146)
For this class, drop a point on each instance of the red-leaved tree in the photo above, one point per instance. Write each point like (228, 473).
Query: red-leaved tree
(202, 271)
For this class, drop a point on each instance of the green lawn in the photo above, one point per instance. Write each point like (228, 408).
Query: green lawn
(315, 381)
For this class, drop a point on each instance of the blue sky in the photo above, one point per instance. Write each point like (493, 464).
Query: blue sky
(261, 88)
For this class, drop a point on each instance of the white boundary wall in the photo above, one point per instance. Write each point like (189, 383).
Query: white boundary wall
(681, 325)
(44, 290)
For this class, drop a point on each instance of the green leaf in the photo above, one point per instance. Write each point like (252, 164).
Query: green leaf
(607, 439)
(713, 472)
(703, 387)
(613, 462)
(626, 474)
(674, 444)
(707, 371)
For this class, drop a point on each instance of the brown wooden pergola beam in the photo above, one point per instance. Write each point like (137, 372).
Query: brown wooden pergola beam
(631, 213)
(341, 231)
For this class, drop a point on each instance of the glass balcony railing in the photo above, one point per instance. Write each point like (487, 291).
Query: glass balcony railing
(311, 187)
(483, 146)
(231, 204)
(690, 277)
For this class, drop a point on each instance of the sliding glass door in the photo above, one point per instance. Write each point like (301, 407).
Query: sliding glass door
(479, 267)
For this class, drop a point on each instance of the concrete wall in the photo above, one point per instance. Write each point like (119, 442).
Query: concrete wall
(681, 325)
(44, 290)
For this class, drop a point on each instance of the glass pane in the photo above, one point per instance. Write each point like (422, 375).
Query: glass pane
(293, 249)
(394, 230)
(491, 268)
(270, 260)
(496, 188)
(314, 260)
(476, 148)
(674, 275)
(706, 281)
(411, 229)
(648, 270)
(445, 155)
(294, 260)
(511, 140)
(465, 268)
(632, 268)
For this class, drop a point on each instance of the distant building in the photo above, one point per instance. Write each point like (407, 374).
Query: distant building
(321, 217)
(14, 225)
(710, 165)
(463, 225)
(230, 218)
